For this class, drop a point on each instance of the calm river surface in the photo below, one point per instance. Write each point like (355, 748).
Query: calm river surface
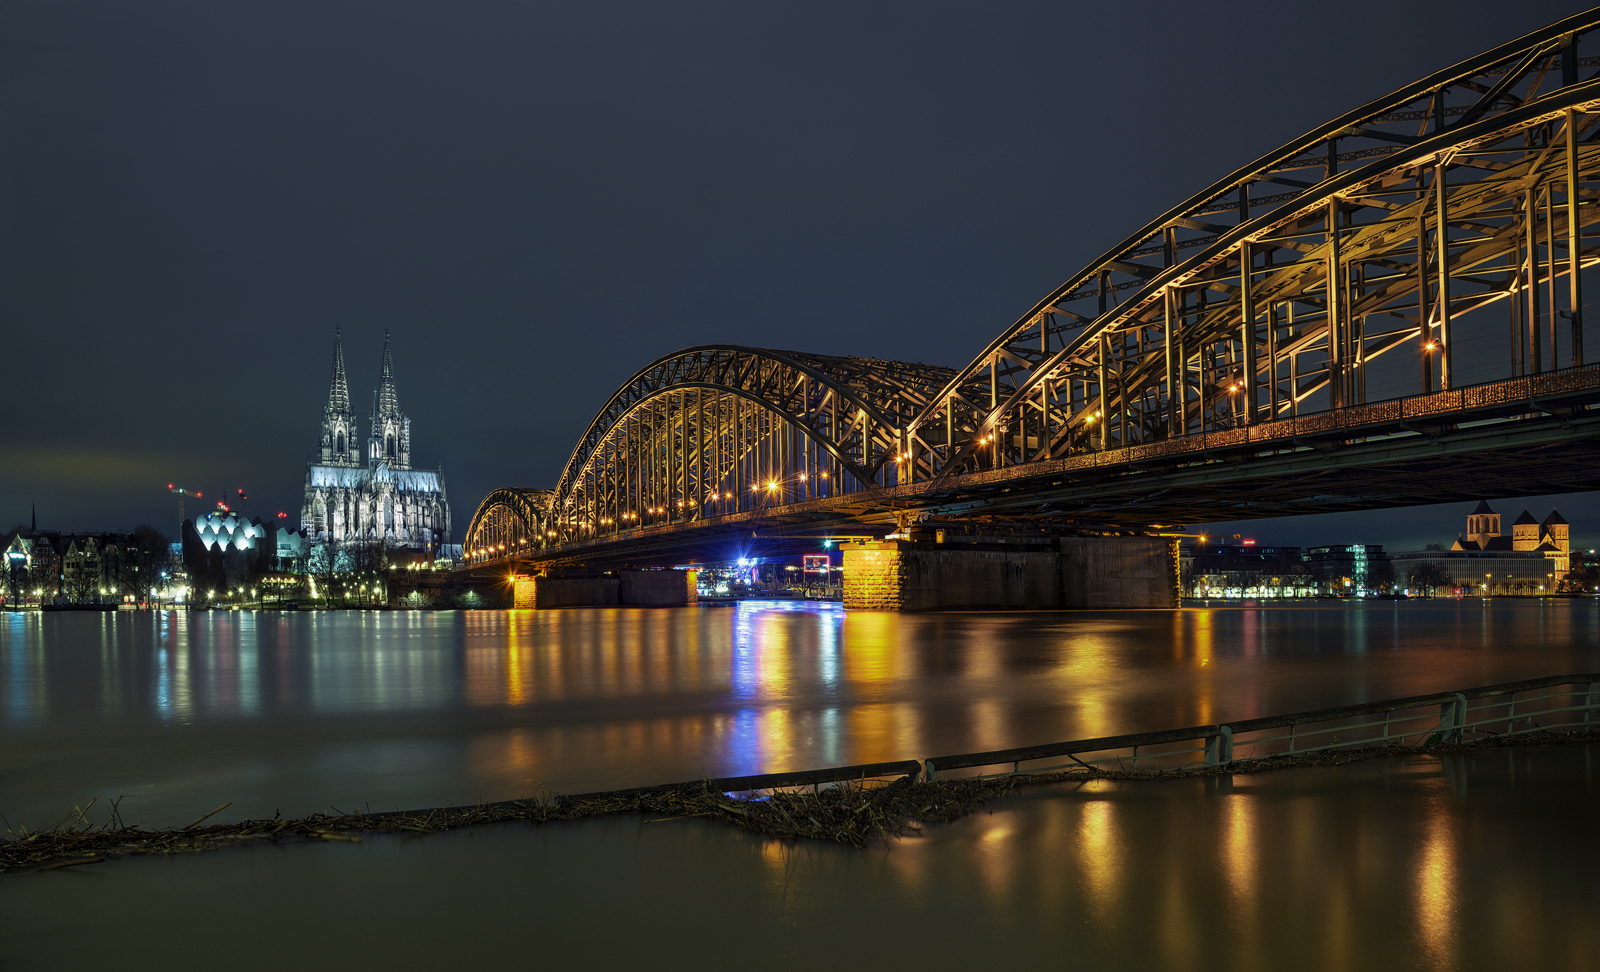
(1488, 861)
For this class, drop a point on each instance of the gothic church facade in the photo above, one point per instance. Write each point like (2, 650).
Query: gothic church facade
(382, 500)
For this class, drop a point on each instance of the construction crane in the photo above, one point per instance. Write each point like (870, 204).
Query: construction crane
(181, 494)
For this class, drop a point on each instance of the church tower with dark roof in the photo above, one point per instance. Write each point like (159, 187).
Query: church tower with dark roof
(1525, 532)
(1555, 532)
(1483, 525)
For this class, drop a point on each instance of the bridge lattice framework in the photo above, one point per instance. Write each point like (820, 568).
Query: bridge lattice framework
(1356, 264)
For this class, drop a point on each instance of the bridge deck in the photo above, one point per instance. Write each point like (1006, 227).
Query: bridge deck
(1524, 436)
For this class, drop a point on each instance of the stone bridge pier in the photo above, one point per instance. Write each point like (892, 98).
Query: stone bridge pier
(639, 588)
(1069, 572)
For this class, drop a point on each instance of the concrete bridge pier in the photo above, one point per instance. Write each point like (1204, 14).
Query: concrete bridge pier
(1069, 572)
(640, 588)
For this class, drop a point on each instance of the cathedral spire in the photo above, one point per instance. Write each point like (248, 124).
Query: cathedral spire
(339, 445)
(388, 402)
(391, 430)
(339, 388)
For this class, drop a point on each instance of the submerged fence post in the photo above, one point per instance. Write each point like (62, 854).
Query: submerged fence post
(1219, 748)
(1452, 718)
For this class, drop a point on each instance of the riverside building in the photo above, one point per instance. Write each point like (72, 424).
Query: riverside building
(1533, 558)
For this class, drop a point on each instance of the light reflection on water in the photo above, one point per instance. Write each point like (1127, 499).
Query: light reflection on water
(1437, 888)
(1411, 863)
(297, 711)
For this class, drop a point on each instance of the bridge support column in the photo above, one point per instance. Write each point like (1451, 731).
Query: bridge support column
(1074, 572)
(642, 588)
(543, 593)
(658, 588)
(524, 593)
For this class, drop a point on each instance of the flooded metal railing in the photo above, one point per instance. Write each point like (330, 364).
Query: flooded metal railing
(1506, 709)
(776, 781)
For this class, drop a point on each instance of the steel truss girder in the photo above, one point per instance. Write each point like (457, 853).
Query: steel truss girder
(1241, 314)
(686, 436)
(1087, 354)
(508, 521)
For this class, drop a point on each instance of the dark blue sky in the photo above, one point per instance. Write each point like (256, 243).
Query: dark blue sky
(538, 199)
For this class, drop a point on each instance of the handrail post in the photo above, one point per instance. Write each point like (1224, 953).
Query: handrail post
(1591, 698)
(1452, 718)
(929, 774)
(1219, 748)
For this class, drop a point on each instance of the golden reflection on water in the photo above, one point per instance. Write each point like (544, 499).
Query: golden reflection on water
(1339, 929)
(515, 751)
(1241, 868)
(881, 733)
(1437, 889)
(1098, 853)
(1178, 921)
(1239, 852)
(1202, 638)
(515, 691)
(995, 860)
(775, 654)
(871, 651)
(1087, 672)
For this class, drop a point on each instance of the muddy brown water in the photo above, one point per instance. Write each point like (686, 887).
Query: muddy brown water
(1474, 861)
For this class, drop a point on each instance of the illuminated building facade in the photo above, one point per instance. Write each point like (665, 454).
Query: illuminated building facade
(382, 500)
(1551, 539)
(1533, 558)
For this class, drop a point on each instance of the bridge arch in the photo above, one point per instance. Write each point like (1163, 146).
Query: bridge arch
(1354, 264)
(508, 521)
(722, 429)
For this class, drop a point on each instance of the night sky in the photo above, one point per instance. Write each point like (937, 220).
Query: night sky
(539, 199)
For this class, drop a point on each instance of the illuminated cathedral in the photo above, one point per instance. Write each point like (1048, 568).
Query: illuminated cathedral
(382, 500)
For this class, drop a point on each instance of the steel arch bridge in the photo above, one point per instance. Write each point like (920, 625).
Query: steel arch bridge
(722, 430)
(510, 520)
(1273, 292)
(1403, 282)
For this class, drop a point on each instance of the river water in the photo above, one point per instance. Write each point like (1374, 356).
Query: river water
(1466, 862)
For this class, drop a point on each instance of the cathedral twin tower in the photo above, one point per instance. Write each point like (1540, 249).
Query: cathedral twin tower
(382, 501)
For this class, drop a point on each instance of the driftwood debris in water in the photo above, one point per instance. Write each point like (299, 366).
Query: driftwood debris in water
(853, 813)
